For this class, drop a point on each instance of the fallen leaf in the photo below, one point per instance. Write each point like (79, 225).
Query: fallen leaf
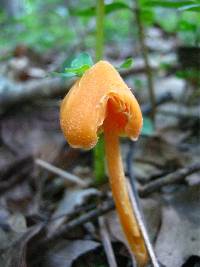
(66, 252)
(12, 228)
(17, 252)
(38, 132)
(179, 236)
(152, 215)
(72, 199)
(156, 149)
(14, 240)
(144, 171)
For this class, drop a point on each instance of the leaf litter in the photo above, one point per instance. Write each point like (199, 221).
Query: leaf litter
(171, 214)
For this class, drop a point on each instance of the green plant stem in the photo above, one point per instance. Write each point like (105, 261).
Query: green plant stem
(99, 154)
(100, 29)
(144, 51)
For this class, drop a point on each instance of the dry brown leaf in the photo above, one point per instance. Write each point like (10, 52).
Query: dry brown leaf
(66, 252)
(179, 237)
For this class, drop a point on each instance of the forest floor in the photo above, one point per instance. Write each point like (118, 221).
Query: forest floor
(51, 213)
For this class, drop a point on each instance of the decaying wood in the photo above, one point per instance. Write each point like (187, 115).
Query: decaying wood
(171, 178)
(12, 94)
(16, 93)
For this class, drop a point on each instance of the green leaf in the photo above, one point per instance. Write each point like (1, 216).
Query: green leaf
(148, 128)
(109, 8)
(188, 74)
(185, 25)
(126, 64)
(99, 165)
(79, 71)
(88, 12)
(169, 3)
(77, 67)
(147, 16)
(82, 59)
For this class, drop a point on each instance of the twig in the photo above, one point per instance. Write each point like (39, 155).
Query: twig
(64, 174)
(171, 178)
(149, 162)
(144, 51)
(89, 216)
(107, 243)
(134, 197)
(142, 226)
(72, 214)
(130, 173)
(109, 204)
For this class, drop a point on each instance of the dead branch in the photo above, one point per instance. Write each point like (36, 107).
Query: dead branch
(107, 243)
(171, 178)
(62, 173)
(109, 204)
(142, 226)
(12, 94)
(16, 93)
(87, 217)
(151, 187)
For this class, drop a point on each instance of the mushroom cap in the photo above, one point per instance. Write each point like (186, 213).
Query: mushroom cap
(100, 97)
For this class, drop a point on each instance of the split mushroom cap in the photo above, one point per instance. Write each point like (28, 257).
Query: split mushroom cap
(101, 101)
(99, 94)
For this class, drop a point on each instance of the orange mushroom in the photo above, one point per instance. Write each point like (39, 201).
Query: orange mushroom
(101, 101)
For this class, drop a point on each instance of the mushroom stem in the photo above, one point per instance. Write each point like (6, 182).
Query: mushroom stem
(121, 198)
